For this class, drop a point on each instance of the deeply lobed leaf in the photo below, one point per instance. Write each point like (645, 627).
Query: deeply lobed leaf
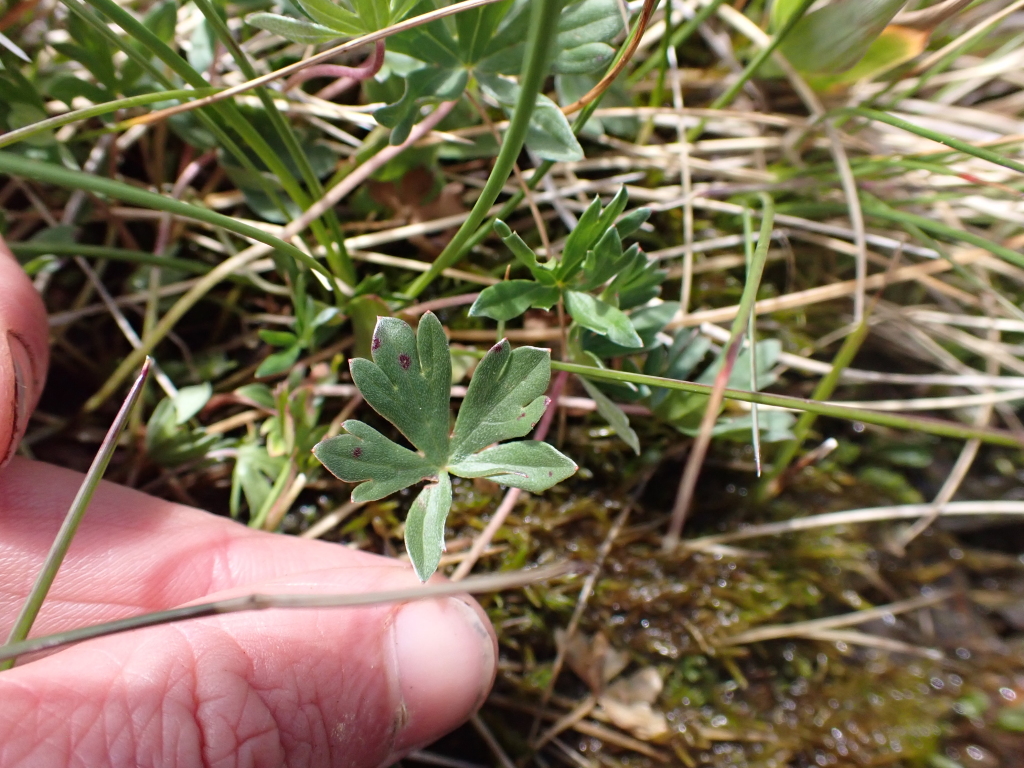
(365, 456)
(409, 382)
(424, 526)
(504, 400)
(528, 464)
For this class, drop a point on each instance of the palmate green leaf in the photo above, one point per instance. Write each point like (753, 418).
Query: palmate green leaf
(365, 456)
(333, 16)
(409, 382)
(426, 85)
(424, 526)
(602, 318)
(510, 298)
(476, 29)
(504, 400)
(582, 59)
(296, 30)
(528, 464)
(834, 38)
(549, 134)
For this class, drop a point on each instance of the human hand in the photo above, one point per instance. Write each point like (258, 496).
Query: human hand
(340, 687)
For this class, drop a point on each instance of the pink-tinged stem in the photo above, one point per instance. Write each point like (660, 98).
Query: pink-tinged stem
(348, 76)
(481, 542)
(695, 461)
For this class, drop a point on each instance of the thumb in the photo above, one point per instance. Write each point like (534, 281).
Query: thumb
(23, 351)
(354, 687)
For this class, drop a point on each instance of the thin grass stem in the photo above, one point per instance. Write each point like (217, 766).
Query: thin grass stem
(36, 596)
(475, 585)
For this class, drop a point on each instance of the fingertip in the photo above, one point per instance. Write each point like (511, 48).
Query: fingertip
(445, 663)
(24, 351)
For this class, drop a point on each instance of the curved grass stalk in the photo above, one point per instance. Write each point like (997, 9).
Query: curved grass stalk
(226, 270)
(679, 36)
(725, 99)
(34, 601)
(230, 112)
(337, 257)
(921, 424)
(475, 585)
(104, 252)
(744, 317)
(953, 143)
(20, 134)
(134, 54)
(64, 177)
(543, 29)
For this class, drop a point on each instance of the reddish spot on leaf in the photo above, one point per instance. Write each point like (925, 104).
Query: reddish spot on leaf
(496, 349)
(551, 474)
(522, 415)
(404, 361)
(357, 452)
(375, 344)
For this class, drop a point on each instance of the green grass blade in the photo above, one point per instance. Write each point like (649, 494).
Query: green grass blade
(827, 385)
(960, 146)
(64, 177)
(925, 425)
(104, 252)
(205, 116)
(725, 99)
(228, 110)
(539, 41)
(744, 317)
(34, 601)
(337, 256)
(13, 137)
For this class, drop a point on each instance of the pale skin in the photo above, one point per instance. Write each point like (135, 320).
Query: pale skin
(345, 687)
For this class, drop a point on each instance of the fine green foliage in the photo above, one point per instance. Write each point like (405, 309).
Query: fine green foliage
(408, 383)
(484, 48)
(592, 262)
(332, 20)
(170, 440)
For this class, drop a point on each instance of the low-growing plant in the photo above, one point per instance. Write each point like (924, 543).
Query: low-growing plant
(409, 384)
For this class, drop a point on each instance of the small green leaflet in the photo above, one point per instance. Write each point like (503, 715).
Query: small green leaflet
(409, 383)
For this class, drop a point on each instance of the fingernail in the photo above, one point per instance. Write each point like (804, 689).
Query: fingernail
(445, 665)
(21, 362)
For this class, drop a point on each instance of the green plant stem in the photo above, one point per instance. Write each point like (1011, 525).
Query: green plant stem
(65, 177)
(33, 248)
(34, 601)
(13, 137)
(844, 357)
(337, 257)
(725, 99)
(949, 141)
(833, 410)
(694, 462)
(229, 111)
(874, 208)
(510, 205)
(543, 30)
